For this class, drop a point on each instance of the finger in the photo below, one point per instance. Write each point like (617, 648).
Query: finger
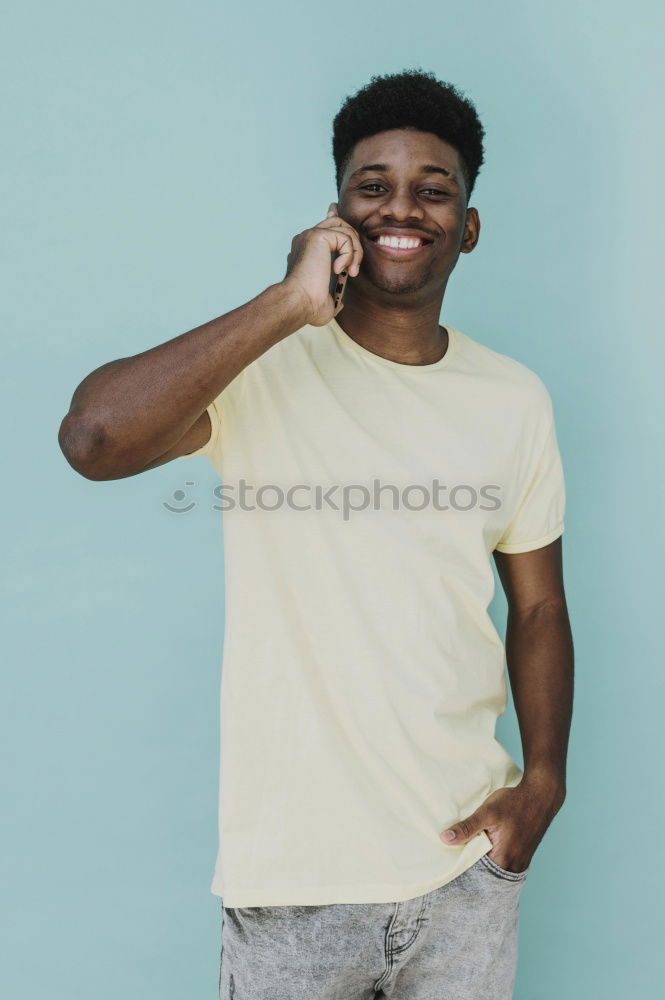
(343, 245)
(358, 252)
(335, 222)
(463, 831)
(332, 209)
(345, 254)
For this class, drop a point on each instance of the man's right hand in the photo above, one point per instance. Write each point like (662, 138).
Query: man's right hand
(308, 264)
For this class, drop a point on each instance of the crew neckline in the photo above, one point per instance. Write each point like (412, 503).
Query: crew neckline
(344, 337)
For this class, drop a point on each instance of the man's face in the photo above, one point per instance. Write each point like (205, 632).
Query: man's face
(398, 194)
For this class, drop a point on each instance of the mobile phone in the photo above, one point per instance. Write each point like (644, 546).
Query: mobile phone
(337, 282)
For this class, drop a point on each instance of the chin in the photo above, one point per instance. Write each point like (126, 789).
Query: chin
(396, 286)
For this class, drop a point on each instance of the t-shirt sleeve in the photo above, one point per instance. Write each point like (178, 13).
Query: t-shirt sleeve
(538, 519)
(214, 412)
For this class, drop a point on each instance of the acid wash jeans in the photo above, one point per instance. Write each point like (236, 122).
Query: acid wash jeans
(457, 942)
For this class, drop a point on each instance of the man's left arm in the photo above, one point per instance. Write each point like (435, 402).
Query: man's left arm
(540, 659)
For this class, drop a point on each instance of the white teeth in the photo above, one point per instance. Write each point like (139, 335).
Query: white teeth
(404, 243)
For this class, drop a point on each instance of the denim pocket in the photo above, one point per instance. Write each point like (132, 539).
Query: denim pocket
(503, 872)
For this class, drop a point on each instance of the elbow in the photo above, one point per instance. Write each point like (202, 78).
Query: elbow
(537, 612)
(83, 447)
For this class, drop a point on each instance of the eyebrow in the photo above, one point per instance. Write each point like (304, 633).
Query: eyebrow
(428, 168)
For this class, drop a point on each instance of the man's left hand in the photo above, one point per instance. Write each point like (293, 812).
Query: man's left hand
(515, 820)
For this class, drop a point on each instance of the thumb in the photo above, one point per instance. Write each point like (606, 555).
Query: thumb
(463, 831)
(332, 209)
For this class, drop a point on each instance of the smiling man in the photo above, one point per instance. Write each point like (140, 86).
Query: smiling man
(374, 834)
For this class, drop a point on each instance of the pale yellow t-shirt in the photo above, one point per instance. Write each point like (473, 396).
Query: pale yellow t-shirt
(362, 676)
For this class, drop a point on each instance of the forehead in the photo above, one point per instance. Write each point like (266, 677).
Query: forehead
(398, 148)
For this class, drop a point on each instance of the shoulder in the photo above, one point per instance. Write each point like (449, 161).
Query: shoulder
(501, 374)
(299, 344)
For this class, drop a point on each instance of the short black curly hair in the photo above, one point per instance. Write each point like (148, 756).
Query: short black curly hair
(410, 99)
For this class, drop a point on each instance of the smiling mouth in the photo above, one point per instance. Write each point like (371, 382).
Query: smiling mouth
(398, 252)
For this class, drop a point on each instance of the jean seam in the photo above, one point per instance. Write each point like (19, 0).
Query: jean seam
(419, 922)
(403, 947)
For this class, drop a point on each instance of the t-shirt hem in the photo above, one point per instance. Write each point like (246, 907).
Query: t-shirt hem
(321, 895)
(537, 543)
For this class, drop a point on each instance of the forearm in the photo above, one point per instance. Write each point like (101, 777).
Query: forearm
(539, 651)
(128, 412)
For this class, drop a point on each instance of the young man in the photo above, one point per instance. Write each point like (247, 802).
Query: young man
(374, 834)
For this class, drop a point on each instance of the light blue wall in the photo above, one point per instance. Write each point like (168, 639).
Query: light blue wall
(157, 159)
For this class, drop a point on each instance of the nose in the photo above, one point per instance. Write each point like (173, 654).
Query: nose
(402, 205)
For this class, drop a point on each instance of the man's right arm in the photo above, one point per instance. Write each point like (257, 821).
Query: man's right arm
(135, 413)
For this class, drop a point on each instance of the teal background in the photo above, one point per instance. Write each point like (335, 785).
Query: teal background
(157, 160)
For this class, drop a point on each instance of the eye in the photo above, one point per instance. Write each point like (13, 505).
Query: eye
(434, 191)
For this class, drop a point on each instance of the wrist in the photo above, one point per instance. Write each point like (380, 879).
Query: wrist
(294, 301)
(545, 780)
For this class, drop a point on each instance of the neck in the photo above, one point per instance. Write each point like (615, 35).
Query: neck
(409, 336)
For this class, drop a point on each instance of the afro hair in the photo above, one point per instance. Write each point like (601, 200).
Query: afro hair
(411, 99)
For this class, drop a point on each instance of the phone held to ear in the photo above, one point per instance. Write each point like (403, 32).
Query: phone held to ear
(337, 282)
